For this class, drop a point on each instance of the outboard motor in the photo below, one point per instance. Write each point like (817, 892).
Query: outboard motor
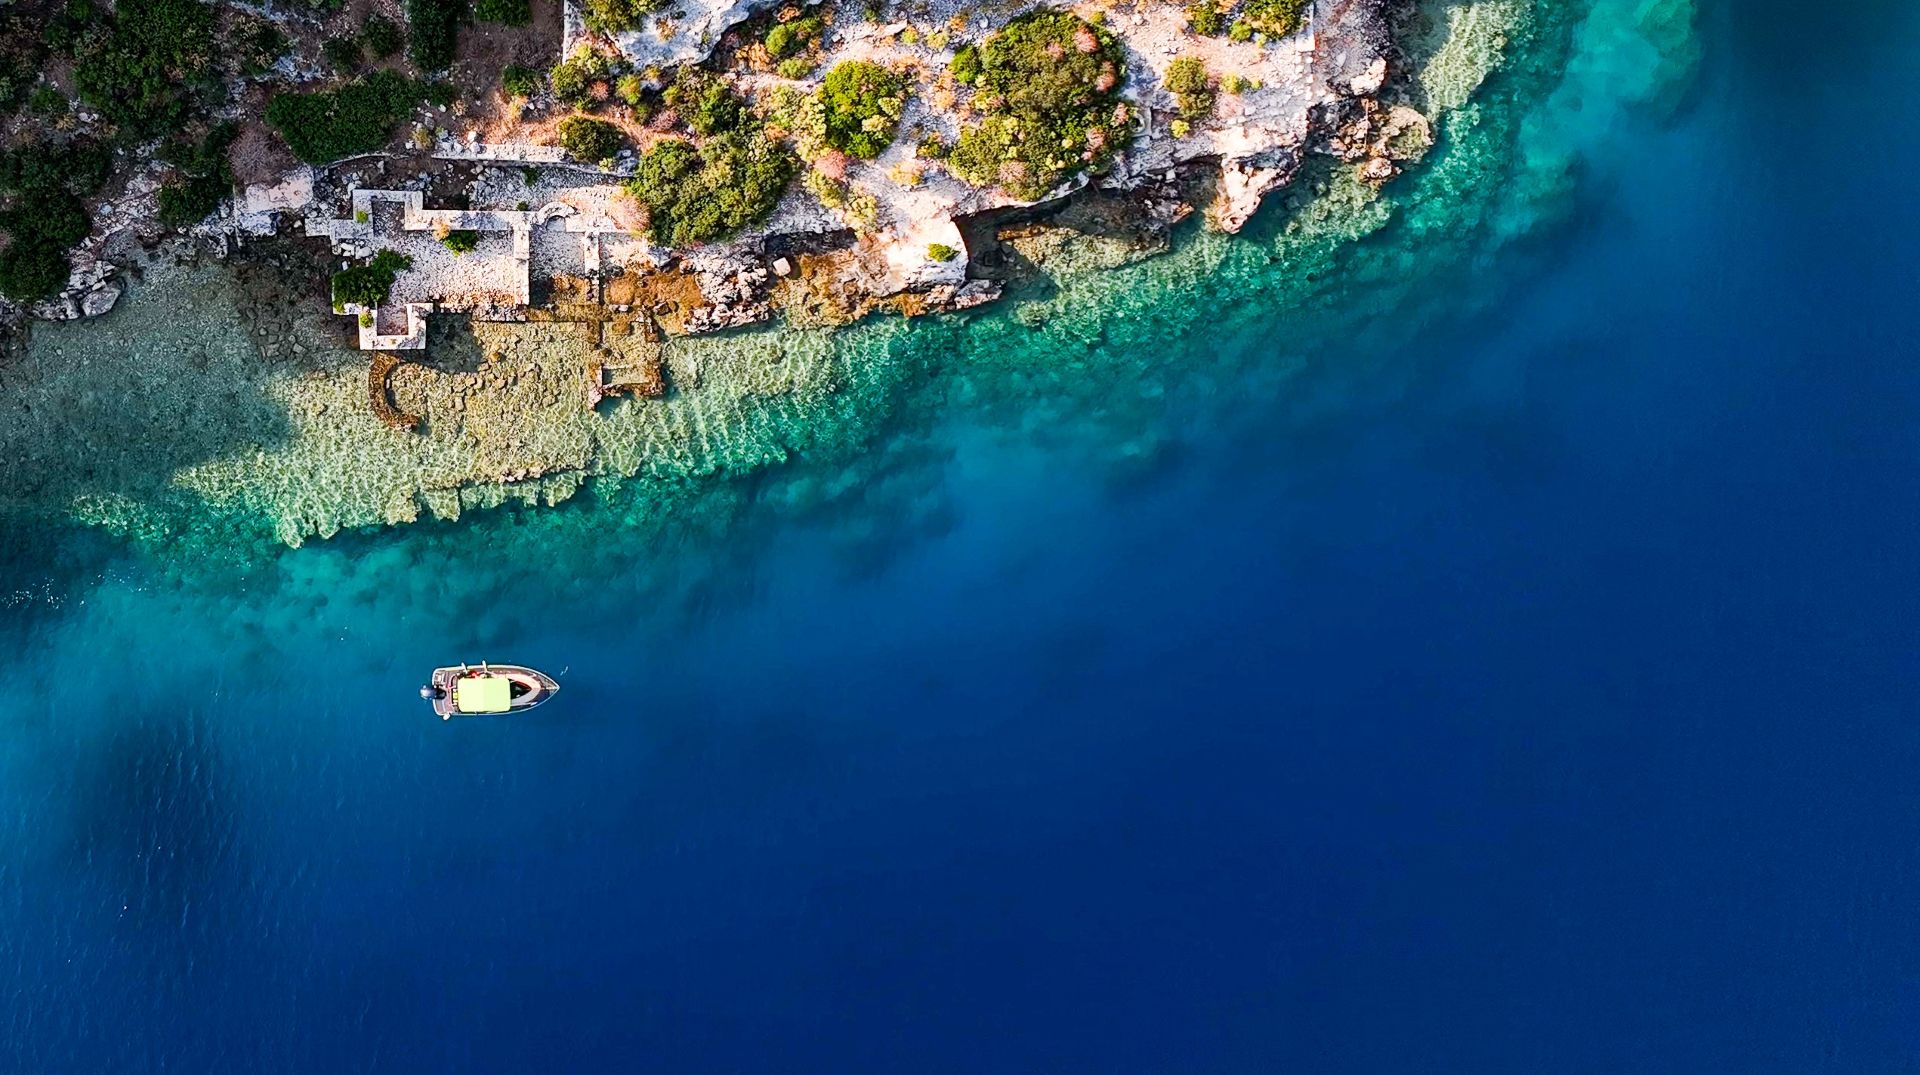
(426, 694)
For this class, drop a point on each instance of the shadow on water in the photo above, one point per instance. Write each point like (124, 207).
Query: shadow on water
(114, 407)
(154, 826)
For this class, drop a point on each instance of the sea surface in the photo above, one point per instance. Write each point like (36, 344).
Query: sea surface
(1528, 689)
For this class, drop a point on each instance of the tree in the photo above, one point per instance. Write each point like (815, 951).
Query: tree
(863, 102)
(368, 285)
(1050, 87)
(592, 140)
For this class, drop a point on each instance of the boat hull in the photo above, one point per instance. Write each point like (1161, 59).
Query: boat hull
(527, 687)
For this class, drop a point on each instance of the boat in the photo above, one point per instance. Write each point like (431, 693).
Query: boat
(465, 691)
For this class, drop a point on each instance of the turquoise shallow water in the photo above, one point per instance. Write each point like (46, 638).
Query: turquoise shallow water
(1497, 659)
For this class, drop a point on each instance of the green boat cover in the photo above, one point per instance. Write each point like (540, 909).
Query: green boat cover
(483, 694)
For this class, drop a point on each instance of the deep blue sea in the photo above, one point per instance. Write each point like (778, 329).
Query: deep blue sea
(1539, 699)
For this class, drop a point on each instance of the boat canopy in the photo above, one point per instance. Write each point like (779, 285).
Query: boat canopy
(483, 694)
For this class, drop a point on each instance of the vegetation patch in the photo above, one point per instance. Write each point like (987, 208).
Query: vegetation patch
(144, 66)
(519, 80)
(359, 117)
(792, 45)
(433, 26)
(22, 51)
(460, 240)
(1049, 84)
(862, 102)
(618, 16)
(202, 179)
(1192, 87)
(41, 187)
(382, 36)
(941, 252)
(592, 140)
(574, 78)
(1205, 18)
(698, 194)
(369, 285)
(1275, 18)
(504, 12)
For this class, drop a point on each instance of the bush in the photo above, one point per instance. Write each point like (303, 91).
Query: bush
(204, 179)
(941, 252)
(572, 79)
(788, 39)
(47, 101)
(618, 16)
(592, 140)
(693, 195)
(255, 44)
(707, 104)
(43, 214)
(1205, 18)
(432, 27)
(1187, 79)
(517, 80)
(21, 56)
(966, 64)
(359, 117)
(1241, 31)
(461, 241)
(863, 102)
(632, 89)
(1275, 18)
(368, 285)
(504, 12)
(143, 67)
(342, 53)
(1050, 88)
(796, 67)
(382, 36)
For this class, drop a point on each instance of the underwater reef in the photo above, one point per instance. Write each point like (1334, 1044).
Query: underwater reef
(211, 420)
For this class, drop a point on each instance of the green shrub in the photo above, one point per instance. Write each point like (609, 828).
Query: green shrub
(933, 147)
(966, 64)
(517, 80)
(941, 252)
(47, 101)
(632, 89)
(863, 102)
(383, 36)
(342, 53)
(1050, 88)
(504, 12)
(1187, 79)
(460, 241)
(432, 28)
(31, 270)
(1241, 31)
(359, 117)
(706, 103)
(255, 44)
(618, 16)
(790, 38)
(144, 67)
(203, 179)
(368, 285)
(43, 215)
(1275, 18)
(694, 195)
(22, 53)
(1205, 18)
(572, 79)
(796, 67)
(592, 140)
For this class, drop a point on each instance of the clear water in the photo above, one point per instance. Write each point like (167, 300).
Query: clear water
(1527, 692)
